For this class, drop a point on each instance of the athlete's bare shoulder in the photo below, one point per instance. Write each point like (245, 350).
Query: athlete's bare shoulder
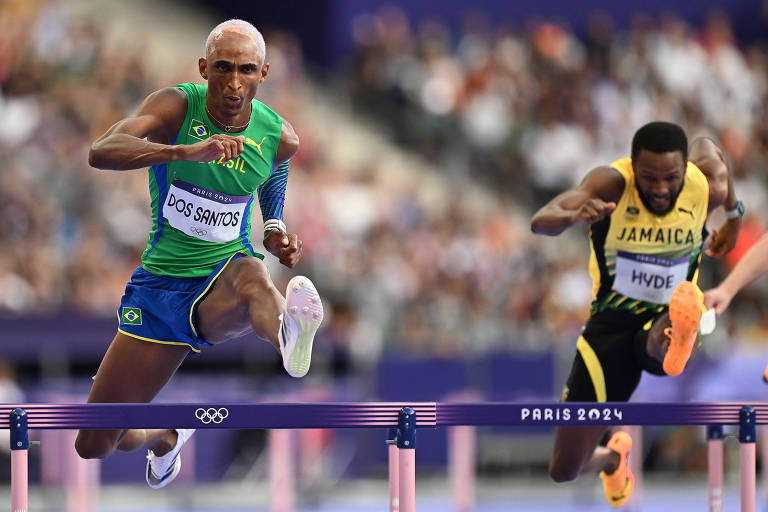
(289, 142)
(169, 106)
(604, 182)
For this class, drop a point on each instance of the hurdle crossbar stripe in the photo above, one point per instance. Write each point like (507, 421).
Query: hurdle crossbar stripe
(220, 416)
(591, 413)
(373, 414)
(406, 417)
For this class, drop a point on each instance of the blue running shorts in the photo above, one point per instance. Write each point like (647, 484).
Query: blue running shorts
(163, 309)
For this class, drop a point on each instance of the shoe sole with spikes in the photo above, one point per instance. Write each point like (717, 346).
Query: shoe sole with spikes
(304, 307)
(685, 310)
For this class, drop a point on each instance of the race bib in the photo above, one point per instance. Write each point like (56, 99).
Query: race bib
(203, 213)
(647, 277)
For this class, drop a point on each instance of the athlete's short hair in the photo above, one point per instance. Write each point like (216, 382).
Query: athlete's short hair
(240, 27)
(660, 137)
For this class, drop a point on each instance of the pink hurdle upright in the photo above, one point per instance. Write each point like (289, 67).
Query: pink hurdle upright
(747, 438)
(715, 467)
(19, 451)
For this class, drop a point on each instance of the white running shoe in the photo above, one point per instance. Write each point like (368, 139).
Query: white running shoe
(303, 315)
(162, 470)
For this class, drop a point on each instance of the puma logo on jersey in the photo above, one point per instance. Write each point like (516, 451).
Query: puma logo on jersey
(252, 142)
(689, 212)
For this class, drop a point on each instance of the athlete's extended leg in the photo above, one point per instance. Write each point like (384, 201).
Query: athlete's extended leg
(244, 299)
(576, 451)
(132, 371)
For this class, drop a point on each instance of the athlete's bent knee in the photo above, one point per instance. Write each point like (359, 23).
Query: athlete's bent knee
(251, 278)
(92, 444)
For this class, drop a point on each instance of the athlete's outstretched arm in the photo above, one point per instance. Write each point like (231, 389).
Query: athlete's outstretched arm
(751, 266)
(284, 246)
(593, 200)
(144, 139)
(713, 163)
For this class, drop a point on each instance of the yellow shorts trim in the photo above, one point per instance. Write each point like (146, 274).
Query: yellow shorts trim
(202, 294)
(594, 368)
(159, 341)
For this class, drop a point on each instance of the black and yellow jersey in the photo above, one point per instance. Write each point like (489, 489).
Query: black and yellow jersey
(638, 257)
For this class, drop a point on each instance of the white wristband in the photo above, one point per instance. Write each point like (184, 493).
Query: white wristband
(274, 224)
(737, 212)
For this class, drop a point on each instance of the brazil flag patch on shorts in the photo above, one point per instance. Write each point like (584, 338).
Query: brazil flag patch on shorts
(131, 316)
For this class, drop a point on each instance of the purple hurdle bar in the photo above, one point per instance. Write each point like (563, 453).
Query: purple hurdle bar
(372, 414)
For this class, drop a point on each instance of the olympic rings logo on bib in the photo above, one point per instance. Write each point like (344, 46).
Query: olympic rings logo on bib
(211, 415)
(197, 231)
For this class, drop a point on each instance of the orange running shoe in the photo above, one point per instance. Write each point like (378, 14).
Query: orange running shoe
(685, 310)
(619, 484)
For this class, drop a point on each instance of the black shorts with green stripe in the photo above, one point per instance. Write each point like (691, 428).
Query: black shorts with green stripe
(610, 358)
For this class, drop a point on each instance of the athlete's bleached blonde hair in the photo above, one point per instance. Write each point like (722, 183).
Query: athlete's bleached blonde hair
(239, 27)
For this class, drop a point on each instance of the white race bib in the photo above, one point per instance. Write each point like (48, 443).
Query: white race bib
(203, 213)
(647, 277)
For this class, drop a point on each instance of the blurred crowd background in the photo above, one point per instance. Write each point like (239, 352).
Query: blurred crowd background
(421, 246)
(425, 148)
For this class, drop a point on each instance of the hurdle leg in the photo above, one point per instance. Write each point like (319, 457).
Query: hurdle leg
(82, 476)
(394, 490)
(281, 481)
(715, 467)
(406, 444)
(764, 457)
(19, 460)
(747, 434)
(461, 467)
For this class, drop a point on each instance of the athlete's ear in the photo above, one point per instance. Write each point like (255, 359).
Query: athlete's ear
(264, 72)
(202, 65)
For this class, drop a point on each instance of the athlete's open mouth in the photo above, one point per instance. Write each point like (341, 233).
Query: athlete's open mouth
(659, 203)
(233, 101)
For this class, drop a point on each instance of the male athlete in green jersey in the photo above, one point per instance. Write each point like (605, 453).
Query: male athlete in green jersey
(211, 150)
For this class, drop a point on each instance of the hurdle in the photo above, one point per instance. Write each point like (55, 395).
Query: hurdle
(401, 419)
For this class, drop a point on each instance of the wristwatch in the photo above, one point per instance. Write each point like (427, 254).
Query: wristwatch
(738, 211)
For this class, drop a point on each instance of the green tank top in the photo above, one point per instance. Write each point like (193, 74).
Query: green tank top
(201, 212)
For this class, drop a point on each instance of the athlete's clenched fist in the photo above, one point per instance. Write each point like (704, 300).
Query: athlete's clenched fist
(593, 210)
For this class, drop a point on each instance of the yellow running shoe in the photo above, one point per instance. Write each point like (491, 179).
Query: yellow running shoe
(619, 484)
(685, 310)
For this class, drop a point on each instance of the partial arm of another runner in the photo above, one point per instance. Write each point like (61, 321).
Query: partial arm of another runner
(284, 246)
(713, 163)
(751, 266)
(144, 138)
(592, 201)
